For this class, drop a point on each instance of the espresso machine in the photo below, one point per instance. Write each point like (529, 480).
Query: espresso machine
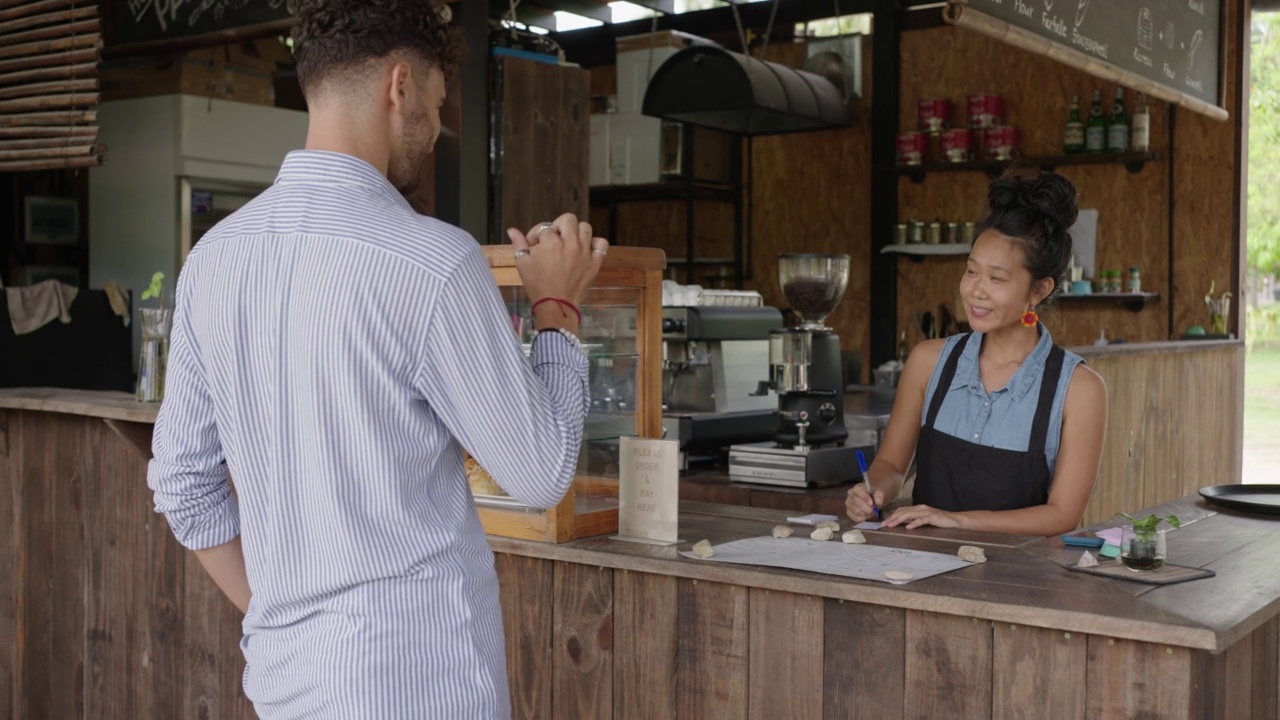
(712, 358)
(809, 444)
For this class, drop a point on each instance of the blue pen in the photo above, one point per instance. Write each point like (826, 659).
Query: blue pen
(862, 463)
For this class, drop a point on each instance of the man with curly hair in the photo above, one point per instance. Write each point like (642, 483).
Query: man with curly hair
(334, 352)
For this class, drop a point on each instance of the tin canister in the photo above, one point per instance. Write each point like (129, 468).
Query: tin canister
(951, 233)
(933, 114)
(1000, 142)
(967, 232)
(915, 233)
(911, 148)
(900, 234)
(985, 110)
(957, 145)
(934, 235)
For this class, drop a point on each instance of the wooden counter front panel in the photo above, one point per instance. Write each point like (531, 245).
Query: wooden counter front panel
(591, 642)
(112, 618)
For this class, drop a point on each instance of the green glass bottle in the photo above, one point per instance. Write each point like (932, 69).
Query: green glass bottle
(1095, 132)
(1073, 138)
(1118, 125)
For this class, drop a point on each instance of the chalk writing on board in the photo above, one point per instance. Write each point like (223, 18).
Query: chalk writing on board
(175, 13)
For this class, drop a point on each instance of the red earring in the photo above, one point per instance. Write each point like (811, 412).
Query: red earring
(1030, 318)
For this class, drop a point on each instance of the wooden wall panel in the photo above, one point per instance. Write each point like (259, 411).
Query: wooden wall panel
(785, 625)
(1035, 669)
(1171, 420)
(1265, 669)
(1206, 167)
(11, 577)
(526, 597)
(811, 192)
(544, 143)
(582, 658)
(863, 674)
(1163, 689)
(712, 657)
(1132, 208)
(948, 669)
(646, 637)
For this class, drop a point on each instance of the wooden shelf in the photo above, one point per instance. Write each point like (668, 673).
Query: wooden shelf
(1128, 300)
(929, 249)
(1133, 162)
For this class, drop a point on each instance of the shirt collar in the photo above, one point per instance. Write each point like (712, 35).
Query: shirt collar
(1021, 382)
(322, 166)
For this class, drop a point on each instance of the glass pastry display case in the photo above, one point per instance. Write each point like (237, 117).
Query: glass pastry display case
(622, 334)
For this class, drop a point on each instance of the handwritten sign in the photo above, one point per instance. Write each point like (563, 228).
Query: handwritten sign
(1173, 43)
(137, 21)
(649, 491)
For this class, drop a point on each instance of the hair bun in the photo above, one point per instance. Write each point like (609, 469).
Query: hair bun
(1055, 196)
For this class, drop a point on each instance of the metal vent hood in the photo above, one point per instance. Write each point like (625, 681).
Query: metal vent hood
(714, 88)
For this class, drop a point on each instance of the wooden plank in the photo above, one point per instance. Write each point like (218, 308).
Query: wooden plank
(645, 639)
(712, 655)
(948, 671)
(35, 642)
(1136, 679)
(582, 658)
(1265, 671)
(106, 619)
(162, 597)
(1034, 669)
(786, 656)
(231, 663)
(93, 403)
(11, 566)
(865, 657)
(526, 597)
(200, 624)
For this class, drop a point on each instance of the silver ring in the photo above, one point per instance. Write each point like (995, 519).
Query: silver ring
(522, 252)
(543, 227)
(598, 251)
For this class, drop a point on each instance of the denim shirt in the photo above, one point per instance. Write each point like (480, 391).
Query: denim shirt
(1000, 419)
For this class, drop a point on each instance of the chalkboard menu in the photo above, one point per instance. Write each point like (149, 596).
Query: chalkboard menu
(1173, 43)
(140, 21)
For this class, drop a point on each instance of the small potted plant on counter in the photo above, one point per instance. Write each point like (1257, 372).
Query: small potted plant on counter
(1143, 547)
(154, 353)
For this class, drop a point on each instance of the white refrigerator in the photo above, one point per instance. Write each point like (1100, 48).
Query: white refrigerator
(176, 164)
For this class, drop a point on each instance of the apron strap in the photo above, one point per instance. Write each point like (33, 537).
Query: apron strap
(944, 380)
(1048, 390)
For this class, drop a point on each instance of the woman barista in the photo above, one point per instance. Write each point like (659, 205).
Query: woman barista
(1006, 427)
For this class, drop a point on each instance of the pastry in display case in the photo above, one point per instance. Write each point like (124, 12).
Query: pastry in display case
(621, 334)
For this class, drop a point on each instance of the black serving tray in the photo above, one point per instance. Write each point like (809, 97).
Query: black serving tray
(1263, 499)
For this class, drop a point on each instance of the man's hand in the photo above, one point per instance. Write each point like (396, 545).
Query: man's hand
(559, 260)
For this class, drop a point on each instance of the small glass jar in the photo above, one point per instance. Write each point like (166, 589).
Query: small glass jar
(1135, 280)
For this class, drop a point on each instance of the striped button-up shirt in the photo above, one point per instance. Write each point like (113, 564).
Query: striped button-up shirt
(333, 352)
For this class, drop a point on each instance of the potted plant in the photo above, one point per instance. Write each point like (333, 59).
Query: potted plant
(154, 353)
(1143, 547)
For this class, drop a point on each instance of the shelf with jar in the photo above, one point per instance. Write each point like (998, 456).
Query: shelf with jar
(621, 333)
(989, 146)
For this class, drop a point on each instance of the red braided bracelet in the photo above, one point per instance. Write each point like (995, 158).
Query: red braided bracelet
(562, 303)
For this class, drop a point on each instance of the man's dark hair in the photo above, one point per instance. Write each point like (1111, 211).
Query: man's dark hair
(334, 35)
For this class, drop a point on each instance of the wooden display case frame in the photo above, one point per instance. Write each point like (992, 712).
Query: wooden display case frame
(623, 267)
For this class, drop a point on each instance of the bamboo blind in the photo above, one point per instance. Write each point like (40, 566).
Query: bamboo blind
(49, 96)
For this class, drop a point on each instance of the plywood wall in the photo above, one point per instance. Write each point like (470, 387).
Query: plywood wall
(1132, 208)
(812, 193)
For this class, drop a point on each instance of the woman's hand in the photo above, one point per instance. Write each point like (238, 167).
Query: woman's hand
(858, 503)
(914, 516)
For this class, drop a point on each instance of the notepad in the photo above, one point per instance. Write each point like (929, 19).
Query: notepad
(868, 525)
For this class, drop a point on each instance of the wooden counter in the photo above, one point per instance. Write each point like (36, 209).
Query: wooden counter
(114, 619)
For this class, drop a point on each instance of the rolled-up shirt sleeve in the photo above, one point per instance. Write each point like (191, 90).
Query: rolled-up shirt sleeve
(188, 473)
(521, 420)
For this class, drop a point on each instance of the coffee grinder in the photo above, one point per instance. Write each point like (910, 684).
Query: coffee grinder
(809, 443)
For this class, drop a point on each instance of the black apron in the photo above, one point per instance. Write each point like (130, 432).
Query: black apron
(954, 475)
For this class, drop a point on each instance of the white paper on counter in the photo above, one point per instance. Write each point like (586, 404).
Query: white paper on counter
(865, 562)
